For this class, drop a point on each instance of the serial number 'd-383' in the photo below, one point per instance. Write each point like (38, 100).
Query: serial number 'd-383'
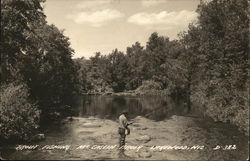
(225, 147)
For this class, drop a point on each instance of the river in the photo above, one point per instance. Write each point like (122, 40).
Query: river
(162, 130)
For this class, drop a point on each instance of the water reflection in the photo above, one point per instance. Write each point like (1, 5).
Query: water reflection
(109, 107)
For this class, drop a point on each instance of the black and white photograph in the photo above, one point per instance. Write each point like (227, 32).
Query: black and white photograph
(125, 80)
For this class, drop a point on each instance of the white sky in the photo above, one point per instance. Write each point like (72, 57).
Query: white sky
(103, 25)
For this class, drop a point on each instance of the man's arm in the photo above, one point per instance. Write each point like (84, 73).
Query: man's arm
(127, 128)
(126, 123)
(130, 123)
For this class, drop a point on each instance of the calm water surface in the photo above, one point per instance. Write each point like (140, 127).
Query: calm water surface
(109, 107)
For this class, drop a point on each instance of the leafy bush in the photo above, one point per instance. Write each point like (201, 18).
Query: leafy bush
(18, 116)
(224, 105)
(151, 87)
(242, 120)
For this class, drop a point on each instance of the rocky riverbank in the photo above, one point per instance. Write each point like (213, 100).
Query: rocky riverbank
(178, 138)
(136, 92)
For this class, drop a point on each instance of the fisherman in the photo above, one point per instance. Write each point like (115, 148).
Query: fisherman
(123, 130)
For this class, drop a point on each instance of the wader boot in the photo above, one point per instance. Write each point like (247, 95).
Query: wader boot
(121, 131)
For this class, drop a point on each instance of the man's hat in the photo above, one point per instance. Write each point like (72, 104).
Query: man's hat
(125, 112)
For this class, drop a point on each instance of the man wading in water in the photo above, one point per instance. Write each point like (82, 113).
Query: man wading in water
(123, 127)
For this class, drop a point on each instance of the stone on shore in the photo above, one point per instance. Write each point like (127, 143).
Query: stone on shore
(144, 154)
(141, 128)
(136, 124)
(144, 138)
(91, 118)
(139, 118)
(39, 137)
(91, 125)
(84, 132)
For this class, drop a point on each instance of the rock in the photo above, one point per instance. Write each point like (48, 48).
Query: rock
(142, 128)
(144, 138)
(107, 116)
(39, 137)
(91, 125)
(85, 132)
(67, 120)
(108, 93)
(73, 118)
(55, 114)
(64, 122)
(91, 118)
(70, 119)
(1, 157)
(139, 117)
(145, 154)
(136, 124)
(174, 117)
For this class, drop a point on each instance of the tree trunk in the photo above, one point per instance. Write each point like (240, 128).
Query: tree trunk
(189, 93)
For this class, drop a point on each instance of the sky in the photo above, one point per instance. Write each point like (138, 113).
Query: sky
(103, 25)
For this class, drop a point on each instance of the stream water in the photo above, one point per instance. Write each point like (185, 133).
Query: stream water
(162, 127)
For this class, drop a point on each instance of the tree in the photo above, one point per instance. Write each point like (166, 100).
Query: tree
(191, 59)
(220, 40)
(99, 74)
(135, 58)
(36, 54)
(17, 20)
(157, 51)
(57, 71)
(118, 70)
(82, 66)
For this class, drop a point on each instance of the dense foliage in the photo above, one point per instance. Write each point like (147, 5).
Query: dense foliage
(220, 41)
(120, 72)
(208, 65)
(18, 116)
(38, 55)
